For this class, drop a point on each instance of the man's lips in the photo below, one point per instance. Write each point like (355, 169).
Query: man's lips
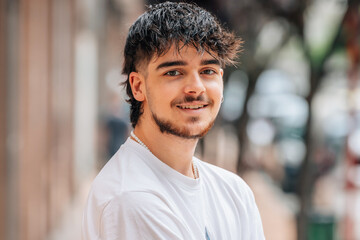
(192, 106)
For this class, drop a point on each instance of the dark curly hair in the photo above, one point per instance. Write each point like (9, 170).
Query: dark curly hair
(166, 24)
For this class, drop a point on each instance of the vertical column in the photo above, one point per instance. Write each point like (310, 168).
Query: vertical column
(11, 112)
(61, 116)
(86, 90)
(34, 103)
(2, 122)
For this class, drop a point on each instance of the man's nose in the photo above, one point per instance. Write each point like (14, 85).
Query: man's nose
(194, 84)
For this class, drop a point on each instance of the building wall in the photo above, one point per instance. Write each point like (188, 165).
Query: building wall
(38, 127)
(55, 59)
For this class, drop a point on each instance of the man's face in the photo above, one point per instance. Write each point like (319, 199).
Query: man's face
(183, 92)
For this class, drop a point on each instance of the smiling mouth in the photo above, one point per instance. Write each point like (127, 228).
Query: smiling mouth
(191, 106)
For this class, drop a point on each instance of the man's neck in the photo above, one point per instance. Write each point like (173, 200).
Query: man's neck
(174, 151)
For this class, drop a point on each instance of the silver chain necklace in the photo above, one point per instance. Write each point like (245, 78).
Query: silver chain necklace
(194, 168)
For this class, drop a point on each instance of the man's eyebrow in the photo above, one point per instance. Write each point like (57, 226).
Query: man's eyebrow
(210, 61)
(183, 63)
(170, 64)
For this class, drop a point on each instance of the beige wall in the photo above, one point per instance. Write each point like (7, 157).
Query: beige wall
(37, 97)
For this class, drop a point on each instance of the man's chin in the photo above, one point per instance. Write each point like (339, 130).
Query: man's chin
(183, 132)
(194, 131)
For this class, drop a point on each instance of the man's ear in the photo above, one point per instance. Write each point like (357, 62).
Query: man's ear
(137, 83)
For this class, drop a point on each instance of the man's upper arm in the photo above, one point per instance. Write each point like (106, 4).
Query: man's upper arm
(141, 215)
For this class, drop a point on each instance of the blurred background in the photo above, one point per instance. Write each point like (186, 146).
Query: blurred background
(289, 125)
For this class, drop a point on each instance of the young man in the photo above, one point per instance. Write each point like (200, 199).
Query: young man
(153, 187)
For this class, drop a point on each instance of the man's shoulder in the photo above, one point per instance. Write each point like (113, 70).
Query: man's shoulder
(121, 175)
(218, 172)
(222, 177)
(137, 200)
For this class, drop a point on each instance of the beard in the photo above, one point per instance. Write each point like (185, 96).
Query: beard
(170, 128)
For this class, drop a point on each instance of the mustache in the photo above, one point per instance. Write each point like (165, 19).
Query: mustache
(190, 99)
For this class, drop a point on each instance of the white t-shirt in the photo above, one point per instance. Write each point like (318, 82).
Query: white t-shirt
(137, 196)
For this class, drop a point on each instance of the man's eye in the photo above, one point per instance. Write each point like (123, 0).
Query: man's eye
(172, 73)
(208, 71)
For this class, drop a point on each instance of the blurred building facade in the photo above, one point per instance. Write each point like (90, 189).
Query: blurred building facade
(37, 115)
(55, 61)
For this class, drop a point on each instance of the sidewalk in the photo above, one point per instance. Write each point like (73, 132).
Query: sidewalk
(278, 219)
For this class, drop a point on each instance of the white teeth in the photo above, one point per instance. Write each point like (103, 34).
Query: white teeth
(192, 107)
